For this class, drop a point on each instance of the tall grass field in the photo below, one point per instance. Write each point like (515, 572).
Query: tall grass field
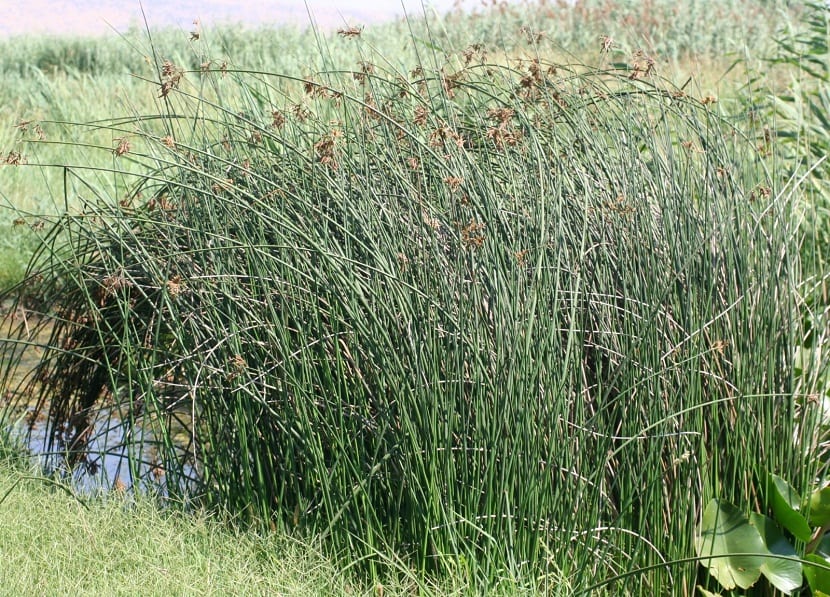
(523, 301)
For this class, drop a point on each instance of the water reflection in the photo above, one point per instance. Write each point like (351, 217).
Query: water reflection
(105, 461)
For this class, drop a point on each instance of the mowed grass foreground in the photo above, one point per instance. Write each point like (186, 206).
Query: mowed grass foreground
(52, 543)
(511, 322)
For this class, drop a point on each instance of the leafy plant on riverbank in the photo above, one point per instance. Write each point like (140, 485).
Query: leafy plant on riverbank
(738, 550)
(504, 322)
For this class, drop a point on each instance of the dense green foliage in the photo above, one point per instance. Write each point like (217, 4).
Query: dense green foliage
(801, 117)
(664, 28)
(512, 321)
(55, 81)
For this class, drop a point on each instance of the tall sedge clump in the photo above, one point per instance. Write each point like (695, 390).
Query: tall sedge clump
(516, 323)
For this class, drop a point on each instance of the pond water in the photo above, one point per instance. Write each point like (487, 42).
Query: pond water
(105, 461)
(98, 17)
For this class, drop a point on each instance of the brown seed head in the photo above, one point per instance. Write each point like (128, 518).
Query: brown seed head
(472, 235)
(14, 158)
(502, 115)
(421, 115)
(277, 119)
(473, 51)
(454, 182)
(350, 32)
(175, 286)
(607, 44)
(123, 147)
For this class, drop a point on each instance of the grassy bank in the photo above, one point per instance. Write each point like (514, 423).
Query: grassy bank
(53, 544)
(50, 544)
(55, 541)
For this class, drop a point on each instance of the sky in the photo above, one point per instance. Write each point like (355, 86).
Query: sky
(70, 17)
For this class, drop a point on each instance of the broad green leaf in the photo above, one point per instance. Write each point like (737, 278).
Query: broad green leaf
(785, 504)
(818, 576)
(784, 570)
(823, 547)
(706, 593)
(820, 506)
(725, 532)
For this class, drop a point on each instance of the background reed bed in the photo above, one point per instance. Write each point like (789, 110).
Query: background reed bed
(81, 80)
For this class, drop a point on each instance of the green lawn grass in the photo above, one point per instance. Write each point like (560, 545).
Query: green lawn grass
(54, 543)
(50, 544)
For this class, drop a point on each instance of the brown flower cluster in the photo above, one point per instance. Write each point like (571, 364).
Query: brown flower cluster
(642, 65)
(171, 76)
(123, 147)
(503, 134)
(472, 234)
(326, 147)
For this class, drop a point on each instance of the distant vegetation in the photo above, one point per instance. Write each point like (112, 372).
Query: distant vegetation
(53, 81)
